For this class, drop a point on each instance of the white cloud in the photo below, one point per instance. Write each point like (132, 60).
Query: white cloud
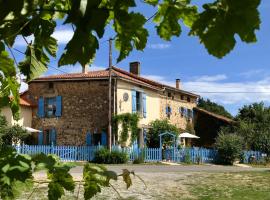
(159, 79)
(218, 77)
(158, 46)
(21, 42)
(96, 68)
(252, 73)
(232, 92)
(62, 36)
(24, 86)
(228, 93)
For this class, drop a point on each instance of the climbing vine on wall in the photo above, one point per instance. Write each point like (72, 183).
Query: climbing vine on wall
(129, 122)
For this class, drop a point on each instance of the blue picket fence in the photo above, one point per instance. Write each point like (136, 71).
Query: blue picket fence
(66, 153)
(194, 155)
(86, 153)
(253, 156)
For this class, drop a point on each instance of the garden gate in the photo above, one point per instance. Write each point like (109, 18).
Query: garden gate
(167, 152)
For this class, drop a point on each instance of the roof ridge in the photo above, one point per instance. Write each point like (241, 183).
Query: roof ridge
(215, 114)
(136, 76)
(116, 72)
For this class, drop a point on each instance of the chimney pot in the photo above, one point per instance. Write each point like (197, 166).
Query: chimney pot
(177, 83)
(135, 68)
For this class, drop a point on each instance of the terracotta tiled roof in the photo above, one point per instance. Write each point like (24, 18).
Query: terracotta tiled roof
(24, 102)
(91, 74)
(116, 72)
(220, 117)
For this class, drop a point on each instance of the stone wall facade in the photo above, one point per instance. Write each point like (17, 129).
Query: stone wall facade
(84, 108)
(175, 101)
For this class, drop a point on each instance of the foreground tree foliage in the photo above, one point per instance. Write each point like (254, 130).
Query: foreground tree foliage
(17, 169)
(216, 27)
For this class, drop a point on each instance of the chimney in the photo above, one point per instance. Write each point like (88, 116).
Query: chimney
(177, 83)
(85, 69)
(135, 68)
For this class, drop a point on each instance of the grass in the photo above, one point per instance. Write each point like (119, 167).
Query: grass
(182, 186)
(230, 186)
(267, 165)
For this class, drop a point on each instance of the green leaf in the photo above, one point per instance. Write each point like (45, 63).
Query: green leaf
(130, 32)
(81, 48)
(110, 175)
(168, 16)
(14, 168)
(95, 177)
(43, 161)
(34, 64)
(152, 2)
(51, 46)
(5, 168)
(126, 177)
(6, 7)
(6, 63)
(217, 25)
(55, 191)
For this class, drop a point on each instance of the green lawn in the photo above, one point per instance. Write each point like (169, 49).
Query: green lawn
(181, 186)
(226, 186)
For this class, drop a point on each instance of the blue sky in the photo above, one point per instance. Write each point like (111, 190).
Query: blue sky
(246, 69)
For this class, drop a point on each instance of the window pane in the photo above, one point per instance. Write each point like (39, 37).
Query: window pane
(97, 139)
(50, 106)
(138, 101)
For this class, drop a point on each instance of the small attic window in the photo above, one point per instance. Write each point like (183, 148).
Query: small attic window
(182, 97)
(169, 94)
(188, 99)
(50, 85)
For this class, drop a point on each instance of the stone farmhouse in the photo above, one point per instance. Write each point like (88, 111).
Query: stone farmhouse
(72, 109)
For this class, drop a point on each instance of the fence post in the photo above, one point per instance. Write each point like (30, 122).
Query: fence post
(52, 149)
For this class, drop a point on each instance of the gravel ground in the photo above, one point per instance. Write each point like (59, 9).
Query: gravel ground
(162, 181)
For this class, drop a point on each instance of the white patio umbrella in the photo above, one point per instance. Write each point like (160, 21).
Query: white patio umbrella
(31, 130)
(188, 135)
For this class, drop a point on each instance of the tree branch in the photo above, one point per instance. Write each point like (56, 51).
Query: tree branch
(52, 10)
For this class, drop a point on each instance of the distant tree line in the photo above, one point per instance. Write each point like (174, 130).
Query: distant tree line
(213, 107)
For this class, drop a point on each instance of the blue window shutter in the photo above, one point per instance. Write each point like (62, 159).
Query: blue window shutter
(185, 112)
(58, 106)
(41, 107)
(167, 109)
(53, 136)
(88, 138)
(103, 138)
(144, 104)
(192, 114)
(134, 106)
(40, 137)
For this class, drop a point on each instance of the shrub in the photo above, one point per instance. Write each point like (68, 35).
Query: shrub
(187, 158)
(104, 156)
(140, 158)
(229, 147)
(158, 127)
(13, 133)
(198, 160)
